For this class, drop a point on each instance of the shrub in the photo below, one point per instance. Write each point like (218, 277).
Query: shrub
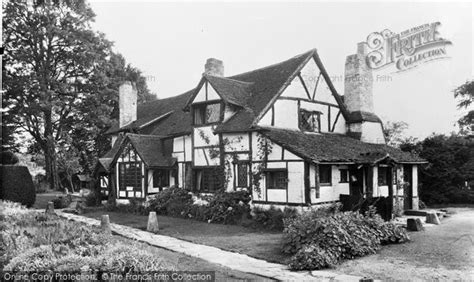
(319, 239)
(228, 207)
(272, 218)
(93, 198)
(62, 202)
(163, 200)
(8, 158)
(17, 185)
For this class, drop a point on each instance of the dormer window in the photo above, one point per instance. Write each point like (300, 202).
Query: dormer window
(310, 121)
(207, 113)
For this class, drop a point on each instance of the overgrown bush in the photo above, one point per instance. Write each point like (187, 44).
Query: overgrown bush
(320, 239)
(17, 185)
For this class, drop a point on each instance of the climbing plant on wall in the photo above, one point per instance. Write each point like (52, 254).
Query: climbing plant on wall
(264, 148)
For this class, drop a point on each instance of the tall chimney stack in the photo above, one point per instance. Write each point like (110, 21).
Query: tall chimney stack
(362, 122)
(358, 82)
(214, 67)
(127, 103)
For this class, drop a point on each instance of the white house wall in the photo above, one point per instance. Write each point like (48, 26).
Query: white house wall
(236, 142)
(207, 132)
(331, 192)
(296, 182)
(286, 114)
(211, 94)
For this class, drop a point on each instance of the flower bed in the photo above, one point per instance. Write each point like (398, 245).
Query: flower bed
(33, 241)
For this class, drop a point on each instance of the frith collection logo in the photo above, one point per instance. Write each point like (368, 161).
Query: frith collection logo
(407, 49)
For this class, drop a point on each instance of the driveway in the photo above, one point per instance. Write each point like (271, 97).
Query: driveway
(444, 251)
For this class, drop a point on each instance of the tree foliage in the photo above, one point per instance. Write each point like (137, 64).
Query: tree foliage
(465, 96)
(61, 79)
(450, 171)
(394, 132)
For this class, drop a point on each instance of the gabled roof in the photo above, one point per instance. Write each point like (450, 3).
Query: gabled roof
(267, 84)
(108, 158)
(156, 111)
(232, 91)
(151, 151)
(330, 147)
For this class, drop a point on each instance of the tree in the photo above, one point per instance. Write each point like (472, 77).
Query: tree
(465, 96)
(98, 111)
(450, 167)
(393, 132)
(50, 54)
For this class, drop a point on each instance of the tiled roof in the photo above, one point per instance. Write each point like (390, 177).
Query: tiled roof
(150, 113)
(107, 159)
(232, 91)
(330, 147)
(267, 83)
(150, 149)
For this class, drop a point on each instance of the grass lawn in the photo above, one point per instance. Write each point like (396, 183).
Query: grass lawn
(235, 238)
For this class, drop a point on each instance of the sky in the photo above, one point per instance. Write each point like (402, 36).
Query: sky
(170, 42)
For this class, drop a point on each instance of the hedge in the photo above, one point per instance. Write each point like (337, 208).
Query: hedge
(17, 185)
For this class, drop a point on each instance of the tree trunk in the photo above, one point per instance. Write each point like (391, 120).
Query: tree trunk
(50, 153)
(51, 166)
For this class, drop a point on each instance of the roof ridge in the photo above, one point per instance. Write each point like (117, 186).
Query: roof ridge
(305, 54)
(228, 78)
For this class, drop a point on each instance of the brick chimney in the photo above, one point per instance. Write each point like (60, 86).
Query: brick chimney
(127, 103)
(358, 82)
(214, 67)
(362, 123)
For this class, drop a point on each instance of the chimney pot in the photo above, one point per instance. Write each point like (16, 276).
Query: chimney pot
(214, 67)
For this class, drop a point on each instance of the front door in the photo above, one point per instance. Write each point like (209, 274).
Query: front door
(408, 187)
(356, 181)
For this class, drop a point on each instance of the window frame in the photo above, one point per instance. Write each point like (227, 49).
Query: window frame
(385, 180)
(245, 180)
(269, 179)
(346, 172)
(200, 109)
(212, 172)
(125, 179)
(312, 113)
(329, 167)
(161, 183)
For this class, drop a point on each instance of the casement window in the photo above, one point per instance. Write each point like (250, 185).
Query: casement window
(242, 174)
(276, 179)
(343, 176)
(310, 121)
(383, 174)
(104, 181)
(207, 113)
(161, 178)
(325, 175)
(130, 175)
(207, 180)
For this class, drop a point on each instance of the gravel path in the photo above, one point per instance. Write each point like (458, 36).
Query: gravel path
(444, 251)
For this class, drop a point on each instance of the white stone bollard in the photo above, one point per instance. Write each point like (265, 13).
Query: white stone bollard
(432, 217)
(105, 224)
(152, 225)
(50, 208)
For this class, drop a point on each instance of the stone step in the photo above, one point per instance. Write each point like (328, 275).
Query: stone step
(423, 212)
